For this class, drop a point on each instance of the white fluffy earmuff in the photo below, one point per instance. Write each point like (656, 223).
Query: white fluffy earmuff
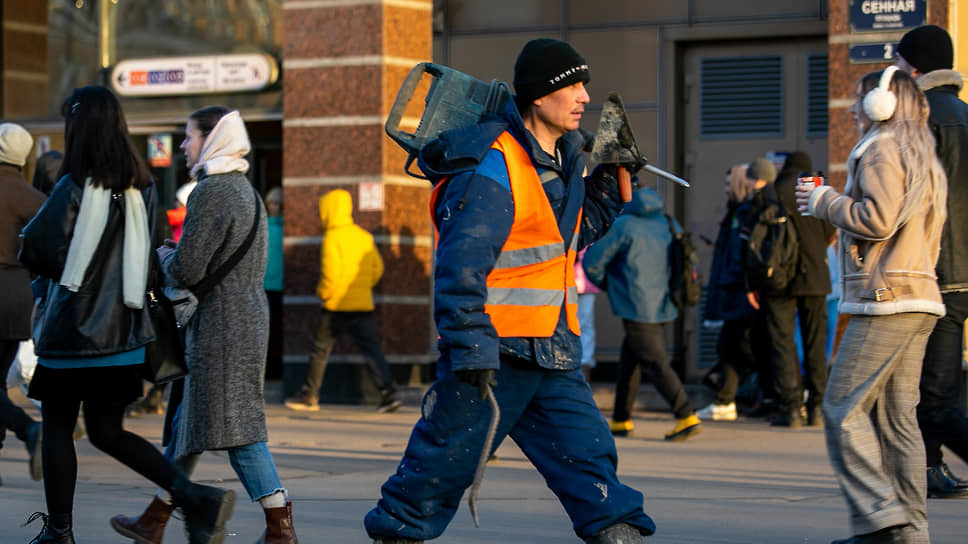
(880, 102)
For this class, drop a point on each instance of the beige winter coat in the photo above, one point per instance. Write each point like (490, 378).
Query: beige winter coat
(885, 268)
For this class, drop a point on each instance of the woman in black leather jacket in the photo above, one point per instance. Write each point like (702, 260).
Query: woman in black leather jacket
(92, 240)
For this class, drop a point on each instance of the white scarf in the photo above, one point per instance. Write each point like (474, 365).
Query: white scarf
(224, 147)
(88, 229)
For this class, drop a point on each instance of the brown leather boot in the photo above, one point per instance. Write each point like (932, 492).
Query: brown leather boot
(279, 528)
(149, 527)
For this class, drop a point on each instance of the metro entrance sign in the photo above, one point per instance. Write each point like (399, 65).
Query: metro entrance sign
(887, 15)
(173, 76)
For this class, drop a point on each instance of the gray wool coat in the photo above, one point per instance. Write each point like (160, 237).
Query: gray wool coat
(227, 338)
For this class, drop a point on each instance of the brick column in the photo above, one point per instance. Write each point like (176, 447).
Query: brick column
(843, 77)
(24, 59)
(343, 61)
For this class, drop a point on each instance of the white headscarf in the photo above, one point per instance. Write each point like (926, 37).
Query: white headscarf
(88, 230)
(224, 147)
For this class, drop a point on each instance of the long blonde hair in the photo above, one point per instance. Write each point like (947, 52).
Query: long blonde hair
(924, 177)
(738, 188)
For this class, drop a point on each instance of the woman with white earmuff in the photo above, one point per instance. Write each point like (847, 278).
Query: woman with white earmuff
(890, 217)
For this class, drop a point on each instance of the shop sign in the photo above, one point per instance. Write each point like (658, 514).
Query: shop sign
(872, 52)
(174, 76)
(371, 196)
(887, 15)
(159, 150)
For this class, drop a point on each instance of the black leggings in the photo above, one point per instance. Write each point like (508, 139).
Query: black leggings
(104, 429)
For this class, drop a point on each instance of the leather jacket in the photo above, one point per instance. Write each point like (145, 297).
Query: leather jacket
(93, 321)
(949, 123)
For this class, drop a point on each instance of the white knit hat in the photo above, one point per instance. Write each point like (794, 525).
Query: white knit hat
(15, 144)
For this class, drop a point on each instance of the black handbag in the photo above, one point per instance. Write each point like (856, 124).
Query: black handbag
(165, 356)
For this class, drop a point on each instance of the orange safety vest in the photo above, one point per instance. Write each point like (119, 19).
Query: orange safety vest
(535, 271)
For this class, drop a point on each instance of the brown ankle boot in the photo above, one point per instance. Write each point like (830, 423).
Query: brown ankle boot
(149, 527)
(279, 526)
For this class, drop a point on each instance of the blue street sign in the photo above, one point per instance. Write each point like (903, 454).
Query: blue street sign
(886, 15)
(872, 52)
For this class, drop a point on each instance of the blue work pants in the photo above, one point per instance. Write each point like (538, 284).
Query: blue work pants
(550, 415)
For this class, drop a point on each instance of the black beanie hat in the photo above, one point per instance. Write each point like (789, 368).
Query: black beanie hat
(927, 48)
(544, 66)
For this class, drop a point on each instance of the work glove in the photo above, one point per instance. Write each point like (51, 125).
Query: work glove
(480, 378)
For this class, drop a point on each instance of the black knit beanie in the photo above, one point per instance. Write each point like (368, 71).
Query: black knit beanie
(927, 48)
(544, 66)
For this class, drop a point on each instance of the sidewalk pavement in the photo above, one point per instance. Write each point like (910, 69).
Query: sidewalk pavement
(740, 482)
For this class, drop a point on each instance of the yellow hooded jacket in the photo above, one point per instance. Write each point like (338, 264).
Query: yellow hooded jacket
(351, 265)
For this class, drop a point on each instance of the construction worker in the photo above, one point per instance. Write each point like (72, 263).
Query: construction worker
(510, 209)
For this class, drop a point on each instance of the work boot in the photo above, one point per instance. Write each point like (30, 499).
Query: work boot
(57, 528)
(34, 452)
(149, 527)
(279, 528)
(396, 541)
(206, 510)
(620, 533)
(685, 427)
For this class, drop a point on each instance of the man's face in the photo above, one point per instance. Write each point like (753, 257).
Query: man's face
(906, 66)
(561, 110)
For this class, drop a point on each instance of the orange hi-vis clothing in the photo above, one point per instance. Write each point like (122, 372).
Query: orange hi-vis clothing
(535, 272)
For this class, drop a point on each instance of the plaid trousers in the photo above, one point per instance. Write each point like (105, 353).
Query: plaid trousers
(871, 425)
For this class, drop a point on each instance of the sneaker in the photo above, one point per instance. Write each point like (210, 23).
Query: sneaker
(719, 412)
(388, 405)
(303, 403)
(621, 428)
(685, 427)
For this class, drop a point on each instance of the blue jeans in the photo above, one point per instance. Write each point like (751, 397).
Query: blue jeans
(252, 463)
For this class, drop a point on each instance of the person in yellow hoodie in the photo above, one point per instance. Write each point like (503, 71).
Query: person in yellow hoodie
(351, 266)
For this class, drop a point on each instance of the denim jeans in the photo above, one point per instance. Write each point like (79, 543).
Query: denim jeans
(252, 463)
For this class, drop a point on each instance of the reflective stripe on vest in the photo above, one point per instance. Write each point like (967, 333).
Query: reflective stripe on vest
(534, 273)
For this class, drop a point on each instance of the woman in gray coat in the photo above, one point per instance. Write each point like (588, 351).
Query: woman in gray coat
(227, 337)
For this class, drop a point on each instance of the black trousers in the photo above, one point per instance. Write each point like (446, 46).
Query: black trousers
(11, 416)
(743, 346)
(362, 329)
(941, 419)
(781, 317)
(106, 433)
(644, 348)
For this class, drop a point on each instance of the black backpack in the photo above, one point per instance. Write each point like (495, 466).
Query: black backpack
(772, 251)
(685, 283)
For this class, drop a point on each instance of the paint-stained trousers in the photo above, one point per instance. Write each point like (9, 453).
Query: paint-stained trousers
(871, 423)
(550, 415)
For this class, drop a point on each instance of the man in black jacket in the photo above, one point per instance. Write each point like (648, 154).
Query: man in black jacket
(927, 54)
(804, 296)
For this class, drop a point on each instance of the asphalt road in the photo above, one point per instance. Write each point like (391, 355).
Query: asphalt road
(737, 482)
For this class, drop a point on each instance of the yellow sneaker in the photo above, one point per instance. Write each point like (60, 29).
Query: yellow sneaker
(685, 427)
(620, 428)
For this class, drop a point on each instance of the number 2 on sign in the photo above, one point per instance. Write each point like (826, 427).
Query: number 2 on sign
(888, 51)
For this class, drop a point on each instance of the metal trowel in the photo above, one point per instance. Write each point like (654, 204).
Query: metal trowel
(615, 144)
